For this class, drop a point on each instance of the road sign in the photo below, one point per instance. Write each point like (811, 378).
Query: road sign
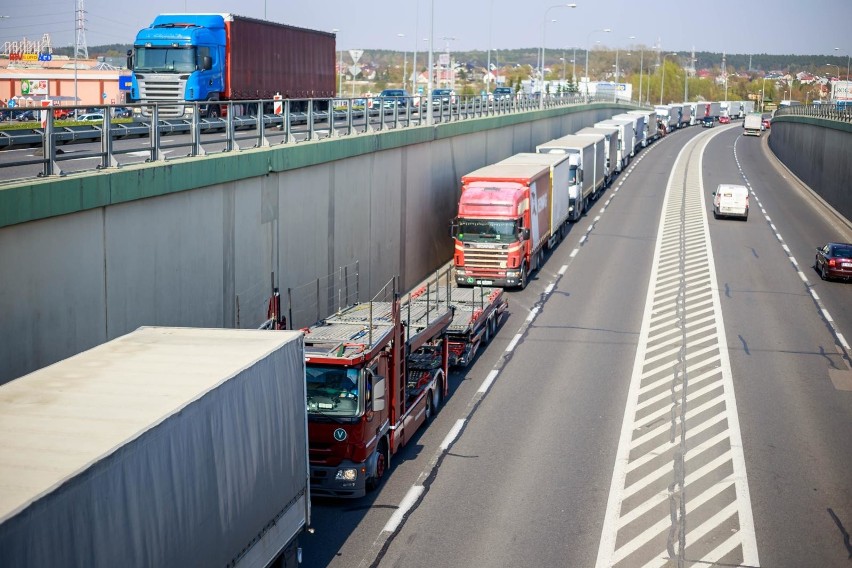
(103, 96)
(11, 103)
(354, 70)
(124, 82)
(356, 54)
(277, 104)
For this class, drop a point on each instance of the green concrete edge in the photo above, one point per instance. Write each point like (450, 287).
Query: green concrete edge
(42, 198)
(815, 121)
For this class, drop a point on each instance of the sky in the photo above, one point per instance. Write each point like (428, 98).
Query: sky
(816, 27)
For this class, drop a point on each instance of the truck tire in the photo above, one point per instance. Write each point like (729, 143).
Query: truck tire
(433, 402)
(522, 281)
(213, 111)
(382, 462)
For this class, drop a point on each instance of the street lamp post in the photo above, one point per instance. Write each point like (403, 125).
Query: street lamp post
(588, 39)
(404, 63)
(763, 95)
(488, 64)
(848, 55)
(574, 66)
(663, 80)
(543, 34)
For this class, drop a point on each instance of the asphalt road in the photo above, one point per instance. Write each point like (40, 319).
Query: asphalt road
(527, 479)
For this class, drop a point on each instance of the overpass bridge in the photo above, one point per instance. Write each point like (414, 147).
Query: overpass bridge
(200, 241)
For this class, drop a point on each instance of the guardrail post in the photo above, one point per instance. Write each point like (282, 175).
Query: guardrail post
(48, 145)
(350, 126)
(311, 130)
(332, 133)
(230, 130)
(154, 136)
(195, 128)
(262, 140)
(107, 157)
(287, 126)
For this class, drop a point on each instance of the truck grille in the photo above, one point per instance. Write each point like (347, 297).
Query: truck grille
(163, 89)
(488, 259)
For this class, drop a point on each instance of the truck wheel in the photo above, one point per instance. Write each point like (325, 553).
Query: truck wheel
(433, 402)
(492, 323)
(523, 278)
(381, 467)
(213, 112)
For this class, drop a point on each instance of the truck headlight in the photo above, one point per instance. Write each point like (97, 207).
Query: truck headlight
(346, 474)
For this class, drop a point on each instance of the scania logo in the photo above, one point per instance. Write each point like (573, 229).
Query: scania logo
(340, 434)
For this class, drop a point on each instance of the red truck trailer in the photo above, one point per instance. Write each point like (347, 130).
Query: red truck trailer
(503, 224)
(376, 371)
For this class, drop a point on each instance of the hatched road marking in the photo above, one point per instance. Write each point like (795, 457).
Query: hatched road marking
(679, 493)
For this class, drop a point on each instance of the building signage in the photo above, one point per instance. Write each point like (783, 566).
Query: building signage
(17, 56)
(34, 87)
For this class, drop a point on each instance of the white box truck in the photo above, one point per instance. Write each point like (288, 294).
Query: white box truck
(650, 131)
(626, 137)
(638, 129)
(698, 111)
(714, 110)
(668, 116)
(163, 447)
(753, 124)
(587, 159)
(560, 184)
(748, 106)
(685, 115)
(610, 134)
(735, 110)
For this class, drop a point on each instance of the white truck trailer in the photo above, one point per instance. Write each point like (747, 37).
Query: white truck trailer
(668, 116)
(734, 110)
(649, 119)
(698, 110)
(610, 134)
(714, 110)
(638, 129)
(748, 106)
(586, 176)
(685, 115)
(560, 183)
(626, 137)
(163, 447)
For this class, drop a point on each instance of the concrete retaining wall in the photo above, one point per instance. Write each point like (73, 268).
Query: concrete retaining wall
(194, 242)
(819, 152)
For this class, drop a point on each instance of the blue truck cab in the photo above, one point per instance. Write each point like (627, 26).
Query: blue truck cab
(178, 58)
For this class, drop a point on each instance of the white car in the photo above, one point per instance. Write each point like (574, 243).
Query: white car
(730, 200)
(91, 117)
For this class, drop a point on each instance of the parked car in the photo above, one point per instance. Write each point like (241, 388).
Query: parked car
(25, 115)
(504, 93)
(724, 120)
(730, 200)
(395, 98)
(121, 112)
(91, 117)
(707, 122)
(834, 260)
(443, 97)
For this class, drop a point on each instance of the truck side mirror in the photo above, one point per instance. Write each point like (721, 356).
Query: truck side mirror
(454, 228)
(379, 394)
(525, 234)
(206, 63)
(130, 59)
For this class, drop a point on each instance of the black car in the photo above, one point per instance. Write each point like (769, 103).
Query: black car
(442, 97)
(707, 122)
(834, 260)
(121, 112)
(25, 115)
(504, 93)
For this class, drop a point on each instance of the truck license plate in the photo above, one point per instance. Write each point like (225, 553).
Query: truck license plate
(486, 282)
(846, 264)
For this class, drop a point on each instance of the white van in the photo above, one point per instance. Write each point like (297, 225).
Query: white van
(730, 200)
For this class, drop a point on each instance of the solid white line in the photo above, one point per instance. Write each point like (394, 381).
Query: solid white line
(453, 433)
(717, 553)
(564, 267)
(486, 384)
(513, 343)
(404, 506)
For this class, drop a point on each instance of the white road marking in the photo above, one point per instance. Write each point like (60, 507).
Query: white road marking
(564, 267)
(513, 343)
(454, 431)
(404, 505)
(486, 384)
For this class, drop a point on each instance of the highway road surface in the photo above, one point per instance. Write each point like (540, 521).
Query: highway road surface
(670, 390)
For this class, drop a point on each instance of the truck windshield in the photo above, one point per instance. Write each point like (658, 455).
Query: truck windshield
(332, 390)
(165, 59)
(482, 230)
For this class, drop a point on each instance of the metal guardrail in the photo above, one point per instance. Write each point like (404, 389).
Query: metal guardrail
(838, 112)
(244, 126)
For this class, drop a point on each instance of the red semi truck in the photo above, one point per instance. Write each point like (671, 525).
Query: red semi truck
(376, 371)
(503, 224)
